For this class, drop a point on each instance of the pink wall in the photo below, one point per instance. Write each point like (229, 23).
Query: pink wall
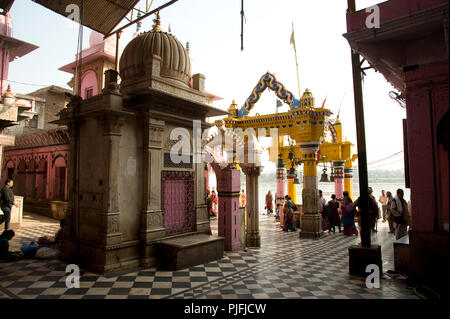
(89, 81)
(35, 171)
(390, 10)
(429, 190)
(228, 187)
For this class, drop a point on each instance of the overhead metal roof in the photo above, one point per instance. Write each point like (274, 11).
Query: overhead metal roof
(99, 15)
(6, 4)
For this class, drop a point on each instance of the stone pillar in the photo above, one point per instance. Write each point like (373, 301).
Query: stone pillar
(110, 215)
(228, 185)
(281, 184)
(202, 218)
(348, 178)
(152, 221)
(253, 238)
(198, 82)
(70, 231)
(311, 219)
(281, 188)
(206, 177)
(339, 179)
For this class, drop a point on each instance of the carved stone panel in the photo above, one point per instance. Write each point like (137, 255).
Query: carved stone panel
(310, 199)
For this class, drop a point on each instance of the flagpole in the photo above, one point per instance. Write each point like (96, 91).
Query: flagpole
(296, 61)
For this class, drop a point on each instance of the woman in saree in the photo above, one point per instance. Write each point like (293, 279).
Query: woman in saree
(333, 214)
(269, 201)
(214, 201)
(289, 215)
(348, 217)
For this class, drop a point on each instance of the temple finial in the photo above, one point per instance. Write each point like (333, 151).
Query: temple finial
(157, 25)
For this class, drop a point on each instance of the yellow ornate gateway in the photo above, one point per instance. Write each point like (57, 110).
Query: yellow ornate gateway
(306, 126)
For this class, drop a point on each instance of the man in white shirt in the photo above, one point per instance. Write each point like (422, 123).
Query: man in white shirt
(383, 200)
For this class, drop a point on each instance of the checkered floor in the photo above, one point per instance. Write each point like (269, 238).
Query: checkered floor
(284, 267)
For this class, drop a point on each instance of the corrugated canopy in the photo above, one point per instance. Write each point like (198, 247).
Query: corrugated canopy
(99, 15)
(6, 4)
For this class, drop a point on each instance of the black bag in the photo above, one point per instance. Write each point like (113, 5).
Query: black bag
(399, 219)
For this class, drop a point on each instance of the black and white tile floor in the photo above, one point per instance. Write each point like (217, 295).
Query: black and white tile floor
(284, 267)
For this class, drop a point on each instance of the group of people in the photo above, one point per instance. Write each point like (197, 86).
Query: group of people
(343, 215)
(288, 209)
(47, 246)
(395, 211)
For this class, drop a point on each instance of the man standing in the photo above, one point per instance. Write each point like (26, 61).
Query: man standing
(400, 213)
(7, 201)
(389, 216)
(374, 210)
(373, 213)
(383, 200)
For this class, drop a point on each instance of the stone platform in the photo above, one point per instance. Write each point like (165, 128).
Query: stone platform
(46, 207)
(189, 250)
(401, 254)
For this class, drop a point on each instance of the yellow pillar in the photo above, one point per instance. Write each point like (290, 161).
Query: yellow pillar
(292, 190)
(338, 127)
(348, 178)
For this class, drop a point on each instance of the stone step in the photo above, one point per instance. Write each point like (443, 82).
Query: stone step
(402, 254)
(45, 207)
(187, 251)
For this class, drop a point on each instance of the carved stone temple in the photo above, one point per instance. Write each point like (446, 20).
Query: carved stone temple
(126, 196)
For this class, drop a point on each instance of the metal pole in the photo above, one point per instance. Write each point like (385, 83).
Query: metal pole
(117, 51)
(296, 64)
(242, 25)
(143, 17)
(361, 137)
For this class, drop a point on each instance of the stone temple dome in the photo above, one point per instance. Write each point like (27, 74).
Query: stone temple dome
(137, 58)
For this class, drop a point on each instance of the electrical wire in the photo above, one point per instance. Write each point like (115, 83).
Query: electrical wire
(380, 160)
(31, 84)
(399, 160)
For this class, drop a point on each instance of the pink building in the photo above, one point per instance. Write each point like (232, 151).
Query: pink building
(38, 164)
(410, 48)
(10, 49)
(99, 57)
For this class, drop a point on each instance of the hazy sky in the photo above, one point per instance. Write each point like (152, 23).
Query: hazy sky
(213, 29)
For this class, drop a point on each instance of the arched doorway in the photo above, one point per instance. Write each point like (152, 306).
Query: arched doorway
(60, 181)
(89, 85)
(41, 179)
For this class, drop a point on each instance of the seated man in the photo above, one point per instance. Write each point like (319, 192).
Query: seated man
(5, 237)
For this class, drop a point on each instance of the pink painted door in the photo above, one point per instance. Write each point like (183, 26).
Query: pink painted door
(178, 202)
